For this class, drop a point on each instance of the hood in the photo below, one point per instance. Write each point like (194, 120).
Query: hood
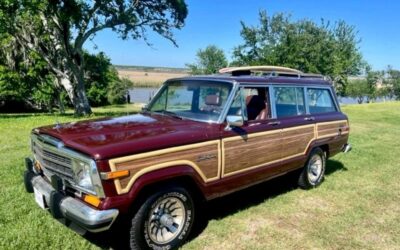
(119, 136)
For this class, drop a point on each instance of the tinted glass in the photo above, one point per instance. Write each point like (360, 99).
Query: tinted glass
(320, 101)
(289, 101)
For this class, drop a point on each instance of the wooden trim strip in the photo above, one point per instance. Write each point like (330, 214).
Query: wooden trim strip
(261, 134)
(148, 169)
(221, 155)
(332, 134)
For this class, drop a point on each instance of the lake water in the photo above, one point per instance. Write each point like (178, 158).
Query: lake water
(143, 95)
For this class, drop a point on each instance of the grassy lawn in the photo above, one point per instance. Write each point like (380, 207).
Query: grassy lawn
(357, 206)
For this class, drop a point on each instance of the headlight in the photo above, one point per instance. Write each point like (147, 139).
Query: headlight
(82, 175)
(82, 171)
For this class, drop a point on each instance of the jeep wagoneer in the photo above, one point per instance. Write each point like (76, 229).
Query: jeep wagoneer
(198, 139)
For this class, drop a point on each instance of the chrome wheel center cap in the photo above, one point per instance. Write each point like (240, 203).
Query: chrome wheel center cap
(166, 220)
(314, 169)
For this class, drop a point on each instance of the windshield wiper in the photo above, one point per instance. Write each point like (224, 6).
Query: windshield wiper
(169, 113)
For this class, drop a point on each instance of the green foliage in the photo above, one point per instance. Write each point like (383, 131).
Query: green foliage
(57, 30)
(357, 89)
(99, 73)
(102, 82)
(392, 83)
(366, 89)
(373, 78)
(304, 45)
(209, 61)
(118, 90)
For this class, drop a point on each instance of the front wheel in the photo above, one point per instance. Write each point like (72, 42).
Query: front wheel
(163, 221)
(314, 169)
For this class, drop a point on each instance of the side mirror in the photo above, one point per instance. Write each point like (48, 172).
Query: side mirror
(234, 120)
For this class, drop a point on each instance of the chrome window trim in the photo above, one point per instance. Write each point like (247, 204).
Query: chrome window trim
(272, 100)
(229, 101)
(306, 100)
(243, 104)
(57, 147)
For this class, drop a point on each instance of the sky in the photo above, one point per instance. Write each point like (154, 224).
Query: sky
(218, 22)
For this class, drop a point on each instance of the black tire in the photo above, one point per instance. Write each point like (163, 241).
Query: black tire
(312, 175)
(157, 209)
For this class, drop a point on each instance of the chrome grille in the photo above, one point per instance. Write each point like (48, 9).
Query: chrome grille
(56, 159)
(51, 161)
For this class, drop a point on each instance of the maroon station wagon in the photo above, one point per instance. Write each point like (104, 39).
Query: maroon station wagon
(198, 139)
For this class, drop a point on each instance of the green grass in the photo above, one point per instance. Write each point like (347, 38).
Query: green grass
(357, 206)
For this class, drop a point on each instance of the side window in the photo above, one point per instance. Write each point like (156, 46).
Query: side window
(289, 101)
(257, 103)
(320, 101)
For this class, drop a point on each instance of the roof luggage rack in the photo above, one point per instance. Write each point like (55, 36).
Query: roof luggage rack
(268, 71)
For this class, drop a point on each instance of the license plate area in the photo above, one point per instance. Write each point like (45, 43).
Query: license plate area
(39, 198)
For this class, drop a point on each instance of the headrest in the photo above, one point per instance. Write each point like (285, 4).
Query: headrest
(212, 100)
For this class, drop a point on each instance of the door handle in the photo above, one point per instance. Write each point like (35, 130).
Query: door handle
(311, 118)
(274, 123)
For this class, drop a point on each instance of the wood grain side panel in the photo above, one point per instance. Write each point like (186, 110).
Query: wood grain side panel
(331, 128)
(296, 141)
(241, 154)
(205, 158)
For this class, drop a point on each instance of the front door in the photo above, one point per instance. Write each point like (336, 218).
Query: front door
(258, 142)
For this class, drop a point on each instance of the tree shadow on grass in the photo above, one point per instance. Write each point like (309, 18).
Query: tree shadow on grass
(118, 237)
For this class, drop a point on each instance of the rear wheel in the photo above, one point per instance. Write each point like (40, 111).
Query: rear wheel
(163, 221)
(314, 169)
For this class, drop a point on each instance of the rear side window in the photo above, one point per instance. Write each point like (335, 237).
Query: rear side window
(320, 101)
(289, 101)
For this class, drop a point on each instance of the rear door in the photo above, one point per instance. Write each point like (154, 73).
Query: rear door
(331, 124)
(298, 128)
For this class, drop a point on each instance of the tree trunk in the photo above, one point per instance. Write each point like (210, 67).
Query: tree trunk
(77, 96)
(60, 103)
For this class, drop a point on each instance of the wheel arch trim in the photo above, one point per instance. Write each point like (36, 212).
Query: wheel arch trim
(164, 165)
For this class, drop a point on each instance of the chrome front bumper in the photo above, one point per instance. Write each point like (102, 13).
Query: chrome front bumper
(61, 206)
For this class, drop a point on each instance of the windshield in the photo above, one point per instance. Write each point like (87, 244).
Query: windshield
(192, 99)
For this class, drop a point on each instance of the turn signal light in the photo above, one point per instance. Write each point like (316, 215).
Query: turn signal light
(92, 200)
(114, 174)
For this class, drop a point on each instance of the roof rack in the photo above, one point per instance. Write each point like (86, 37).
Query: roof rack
(268, 71)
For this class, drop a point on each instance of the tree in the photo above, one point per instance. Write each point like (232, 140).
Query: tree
(209, 61)
(57, 30)
(99, 74)
(392, 82)
(358, 89)
(372, 79)
(305, 45)
(118, 90)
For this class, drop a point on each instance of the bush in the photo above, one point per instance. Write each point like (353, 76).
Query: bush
(118, 90)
